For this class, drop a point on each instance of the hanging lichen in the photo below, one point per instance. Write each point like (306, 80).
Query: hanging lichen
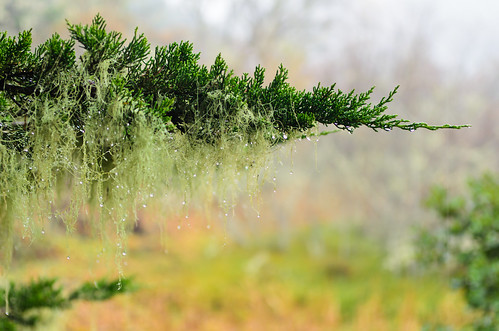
(118, 126)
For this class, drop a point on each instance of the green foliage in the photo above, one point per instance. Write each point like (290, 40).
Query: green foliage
(25, 302)
(103, 46)
(100, 290)
(174, 74)
(118, 126)
(467, 241)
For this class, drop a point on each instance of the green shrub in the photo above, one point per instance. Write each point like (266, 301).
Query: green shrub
(467, 241)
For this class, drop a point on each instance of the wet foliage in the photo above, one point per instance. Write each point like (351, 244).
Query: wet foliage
(119, 125)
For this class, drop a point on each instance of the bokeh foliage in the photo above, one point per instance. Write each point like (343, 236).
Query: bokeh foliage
(467, 241)
(26, 301)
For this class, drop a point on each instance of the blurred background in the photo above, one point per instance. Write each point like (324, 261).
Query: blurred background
(365, 187)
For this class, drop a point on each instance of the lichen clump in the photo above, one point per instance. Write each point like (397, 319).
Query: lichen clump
(117, 126)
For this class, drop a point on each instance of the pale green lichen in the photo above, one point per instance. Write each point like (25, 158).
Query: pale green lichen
(110, 164)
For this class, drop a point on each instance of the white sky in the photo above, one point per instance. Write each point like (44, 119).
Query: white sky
(460, 32)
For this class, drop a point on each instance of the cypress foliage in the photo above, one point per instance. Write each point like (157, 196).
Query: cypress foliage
(119, 125)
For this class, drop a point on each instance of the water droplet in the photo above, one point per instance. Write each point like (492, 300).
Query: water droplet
(144, 205)
(151, 195)
(67, 257)
(412, 129)
(208, 226)
(178, 227)
(186, 216)
(81, 183)
(285, 136)
(291, 172)
(274, 179)
(388, 128)
(43, 231)
(183, 202)
(124, 253)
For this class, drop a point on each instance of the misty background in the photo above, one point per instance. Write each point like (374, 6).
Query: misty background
(444, 55)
